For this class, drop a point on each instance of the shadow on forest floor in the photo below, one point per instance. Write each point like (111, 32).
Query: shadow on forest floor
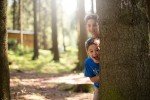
(35, 86)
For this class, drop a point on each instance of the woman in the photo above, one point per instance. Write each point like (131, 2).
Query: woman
(92, 26)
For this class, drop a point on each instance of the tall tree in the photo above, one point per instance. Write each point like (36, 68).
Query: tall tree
(82, 35)
(62, 26)
(54, 31)
(44, 37)
(125, 73)
(20, 21)
(27, 14)
(14, 14)
(36, 52)
(4, 68)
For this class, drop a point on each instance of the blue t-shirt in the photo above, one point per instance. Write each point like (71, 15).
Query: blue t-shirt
(91, 69)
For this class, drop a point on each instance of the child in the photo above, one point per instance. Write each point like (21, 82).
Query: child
(92, 67)
(92, 26)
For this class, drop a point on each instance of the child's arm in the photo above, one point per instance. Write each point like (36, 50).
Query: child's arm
(95, 79)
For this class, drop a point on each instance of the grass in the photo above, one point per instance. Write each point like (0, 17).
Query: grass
(21, 59)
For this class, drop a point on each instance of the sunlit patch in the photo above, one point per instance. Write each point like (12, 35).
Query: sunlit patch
(70, 79)
(33, 97)
(14, 66)
(14, 82)
(27, 86)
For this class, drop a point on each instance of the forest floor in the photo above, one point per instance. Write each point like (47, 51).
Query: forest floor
(35, 86)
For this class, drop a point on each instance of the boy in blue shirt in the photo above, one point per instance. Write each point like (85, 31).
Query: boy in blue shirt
(92, 67)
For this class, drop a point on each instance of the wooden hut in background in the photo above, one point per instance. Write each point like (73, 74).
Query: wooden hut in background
(16, 35)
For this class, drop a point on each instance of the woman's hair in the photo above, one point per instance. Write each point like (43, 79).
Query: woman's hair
(91, 41)
(91, 16)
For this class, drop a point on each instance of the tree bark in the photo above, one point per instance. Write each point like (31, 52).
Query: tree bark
(36, 52)
(54, 31)
(20, 22)
(125, 71)
(82, 35)
(148, 10)
(44, 37)
(14, 14)
(148, 13)
(4, 68)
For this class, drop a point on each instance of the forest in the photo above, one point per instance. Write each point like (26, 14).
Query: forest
(42, 45)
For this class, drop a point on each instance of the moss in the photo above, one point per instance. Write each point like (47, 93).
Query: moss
(114, 94)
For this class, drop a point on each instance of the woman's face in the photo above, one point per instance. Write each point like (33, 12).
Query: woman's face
(92, 27)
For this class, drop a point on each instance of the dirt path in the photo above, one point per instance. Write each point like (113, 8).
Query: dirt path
(33, 86)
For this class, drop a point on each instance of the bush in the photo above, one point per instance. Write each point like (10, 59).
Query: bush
(12, 44)
(21, 50)
(18, 48)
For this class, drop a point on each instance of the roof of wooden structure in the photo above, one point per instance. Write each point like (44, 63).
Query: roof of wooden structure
(18, 32)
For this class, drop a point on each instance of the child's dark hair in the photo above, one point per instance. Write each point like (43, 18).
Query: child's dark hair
(91, 16)
(89, 42)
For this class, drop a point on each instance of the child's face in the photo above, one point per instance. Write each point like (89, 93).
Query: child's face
(92, 27)
(93, 52)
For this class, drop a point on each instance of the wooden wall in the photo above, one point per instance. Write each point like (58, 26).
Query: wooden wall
(27, 37)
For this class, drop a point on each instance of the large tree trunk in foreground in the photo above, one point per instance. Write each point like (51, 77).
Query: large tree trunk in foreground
(4, 68)
(148, 13)
(125, 72)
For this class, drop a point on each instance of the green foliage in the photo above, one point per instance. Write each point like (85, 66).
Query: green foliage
(21, 50)
(18, 48)
(12, 44)
(21, 60)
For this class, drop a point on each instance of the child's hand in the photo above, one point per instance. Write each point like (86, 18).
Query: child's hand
(95, 79)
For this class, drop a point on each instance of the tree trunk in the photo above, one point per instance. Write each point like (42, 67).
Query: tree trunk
(14, 14)
(63, 29)
(36, 52)
(20, 22)
(82, 35)
(63, 35)
(125, 71)
(4, 68)
(44, 37)
(54, 31)
(148, 13)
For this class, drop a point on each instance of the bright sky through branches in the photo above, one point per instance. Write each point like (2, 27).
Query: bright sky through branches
(69, 6)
